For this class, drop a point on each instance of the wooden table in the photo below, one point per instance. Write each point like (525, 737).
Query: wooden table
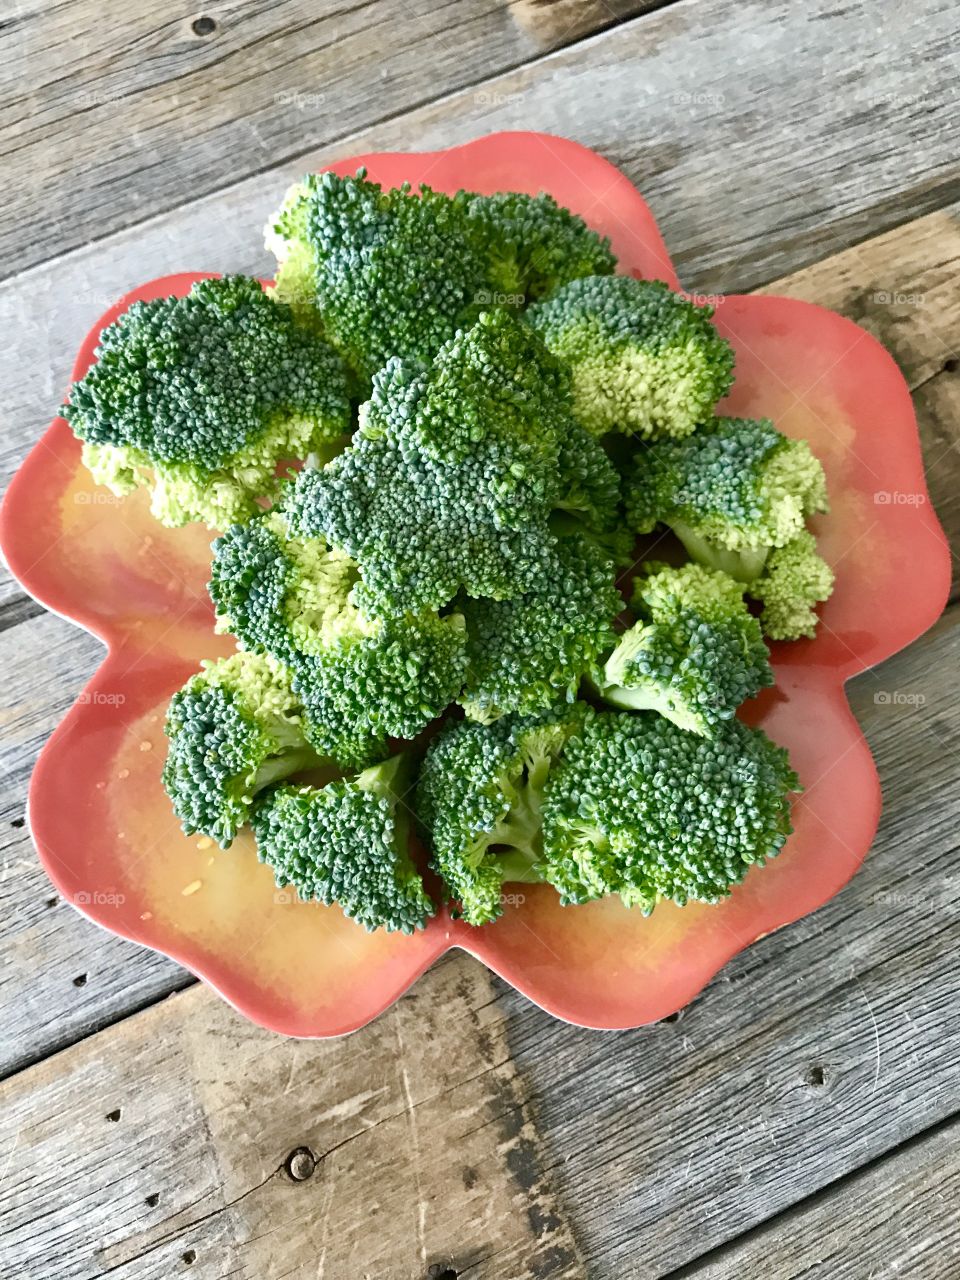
(800, 1118)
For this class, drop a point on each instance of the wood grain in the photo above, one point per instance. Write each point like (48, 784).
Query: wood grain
(176, 1129)
(897, 1218)
(128, 108)
(624, 1154)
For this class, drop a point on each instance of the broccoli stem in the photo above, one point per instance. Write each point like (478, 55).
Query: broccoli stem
(276, 768)
(744, 565)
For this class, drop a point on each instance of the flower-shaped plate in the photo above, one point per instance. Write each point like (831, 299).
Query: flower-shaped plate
(102, 824)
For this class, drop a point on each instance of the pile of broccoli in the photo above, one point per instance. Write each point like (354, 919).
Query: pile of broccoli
(431, 452)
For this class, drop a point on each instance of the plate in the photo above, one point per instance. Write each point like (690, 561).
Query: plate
(101, 822)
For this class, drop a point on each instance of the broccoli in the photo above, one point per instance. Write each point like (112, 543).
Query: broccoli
(453, 474)
(526, 654)
(644, 360)
(795, 578)
(531, 245)
(391, 273)
(234, 728)
(640, 808)
(731, 492)
(360, 678)
(200, 397)
(347, 843)
(589, 482)
(695, 654)
(479, 797)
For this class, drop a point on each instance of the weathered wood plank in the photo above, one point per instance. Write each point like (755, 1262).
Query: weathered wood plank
(897, 1218)
(811, 1054)
(416, 1136)
(128, 107)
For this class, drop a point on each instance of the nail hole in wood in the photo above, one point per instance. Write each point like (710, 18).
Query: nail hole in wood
(114, 1115)
(949, 366)
(17, 822)
(153, 1199)
(815, 1077)
(190, 1257)
(300, 1164)
(673, 1017)
(52, 902)
(203, 26)
(80, 980)
(441, 1273)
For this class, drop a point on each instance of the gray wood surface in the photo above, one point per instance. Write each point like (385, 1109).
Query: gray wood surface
(122, 118)
(796, 1119)
(897, 1218)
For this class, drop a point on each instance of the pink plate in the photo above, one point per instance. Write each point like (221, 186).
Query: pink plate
(101, 822)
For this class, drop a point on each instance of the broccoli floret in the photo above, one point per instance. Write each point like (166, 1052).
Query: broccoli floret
(526, 654)
(531, 246)
(361, 679)
(731, 492)
(391, 273)
(234, 728)
(644, 360)
(694, 655)
(640, 808)
(589, 482)
(200, 397)
(347, 843)
(452, 476)
(795, 578)
(479, 798)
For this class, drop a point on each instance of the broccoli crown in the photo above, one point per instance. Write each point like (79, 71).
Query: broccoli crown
(644, 359)
(528, 653)
(589, 482)
(531, 245)
(736, 485)
(479, 798)
(347, 843)
(638, 807)
(695, 654)
(795, 578)
(361, 679)
(234, 728)
(201, 396)
(393, 273)
(452, 475)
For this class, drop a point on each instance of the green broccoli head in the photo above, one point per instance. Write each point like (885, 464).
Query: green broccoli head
(640, 808)
(200, 397)
(452, 476)
(731, 492)
(589, 482)
(479, 797)
(795, 578)
(531, 246)
(234, 728)
(347, 843)
(391, 273)
(694, 655)
(528, 653)
(361, 678)
(644, 360)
